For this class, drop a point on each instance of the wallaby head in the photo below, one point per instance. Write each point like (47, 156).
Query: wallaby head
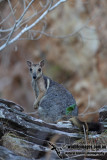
(35, 69)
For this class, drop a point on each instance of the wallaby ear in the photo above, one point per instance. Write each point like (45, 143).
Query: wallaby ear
(41, 63)
(29, 63)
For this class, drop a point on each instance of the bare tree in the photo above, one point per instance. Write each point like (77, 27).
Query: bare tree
(23, 17)
(25, 23)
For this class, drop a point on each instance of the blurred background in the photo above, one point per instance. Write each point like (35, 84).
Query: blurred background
(79, 62)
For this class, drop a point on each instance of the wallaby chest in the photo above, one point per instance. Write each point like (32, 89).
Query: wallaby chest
(38, 86)
(41, 85)
(35, 87)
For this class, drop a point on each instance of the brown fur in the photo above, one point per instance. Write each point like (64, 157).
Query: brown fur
(42, 91)
(38, 83)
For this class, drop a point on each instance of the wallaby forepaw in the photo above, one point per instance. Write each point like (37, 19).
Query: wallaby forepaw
(35, 105)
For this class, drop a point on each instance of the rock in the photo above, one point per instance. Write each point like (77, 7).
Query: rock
(30, 138)
(8, 155)
(21, 146)
(11, 104)
(27, 136)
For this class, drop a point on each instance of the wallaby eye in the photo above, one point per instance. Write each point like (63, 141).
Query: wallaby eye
(30, 69)
(39, 69)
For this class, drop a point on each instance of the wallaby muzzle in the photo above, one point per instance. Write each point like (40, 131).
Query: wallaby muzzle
(34, 76)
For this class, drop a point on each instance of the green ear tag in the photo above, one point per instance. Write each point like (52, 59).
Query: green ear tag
(70, 109)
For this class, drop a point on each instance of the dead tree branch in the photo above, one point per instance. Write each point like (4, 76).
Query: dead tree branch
(32, 14)
(21, 25)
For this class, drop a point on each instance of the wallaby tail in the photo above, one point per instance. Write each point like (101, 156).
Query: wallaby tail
(95, 126)
(92, 126)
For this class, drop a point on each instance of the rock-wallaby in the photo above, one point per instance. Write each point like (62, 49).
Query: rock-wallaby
(52, 98)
